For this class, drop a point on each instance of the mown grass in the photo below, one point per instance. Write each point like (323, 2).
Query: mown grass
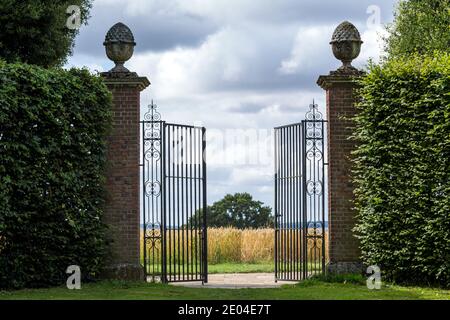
(314, 289)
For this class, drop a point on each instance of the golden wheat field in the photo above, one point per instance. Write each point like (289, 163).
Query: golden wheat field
(230, 245)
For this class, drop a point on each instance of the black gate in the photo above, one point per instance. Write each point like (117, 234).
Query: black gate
(300, 230)
(173, 201)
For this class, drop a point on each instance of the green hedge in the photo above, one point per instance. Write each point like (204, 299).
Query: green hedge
(53, 125)
(402, 169)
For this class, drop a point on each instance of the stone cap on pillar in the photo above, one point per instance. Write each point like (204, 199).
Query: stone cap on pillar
(119, 45)
(338, 80)
(130, 79)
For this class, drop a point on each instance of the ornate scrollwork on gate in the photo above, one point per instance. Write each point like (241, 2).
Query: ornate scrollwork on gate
(152, 127)
(314, 176)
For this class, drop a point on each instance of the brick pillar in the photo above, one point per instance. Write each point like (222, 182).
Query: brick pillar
(122, 212)
(344, 254)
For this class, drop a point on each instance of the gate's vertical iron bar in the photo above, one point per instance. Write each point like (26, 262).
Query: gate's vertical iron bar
(280, 204)
(300, 196)
(304, 217)
(288, 198)
(186, 180)
(283, 168)
(285, 200)
(194, 238)
(205, 232)
(323, 197)
(300, 200)
(288, 204)
(293, 196)
(310, 209)
(151, 202)
(191, 212)
(199, 198)
(295, 201)
(290, 192)
(277, 210)
(195, 204)
(183, 243)
(194, 188)
(144, 242)
(175, 159)
(188, 200)
(277, 190)
(300, 213)
(282, 213)
(168, 211)
(313, 209)
(163, 201)
(285, 205)
(199, 203)
(178, 203)
(276, 204)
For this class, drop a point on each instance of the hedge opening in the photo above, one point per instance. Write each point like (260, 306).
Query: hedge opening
(402, 169)
(53, 128)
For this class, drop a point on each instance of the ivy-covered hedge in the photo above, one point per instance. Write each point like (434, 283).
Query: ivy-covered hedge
(402, 169)
(53, 125)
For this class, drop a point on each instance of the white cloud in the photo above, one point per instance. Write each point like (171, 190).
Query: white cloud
(309, 43)
(252, 176)
(194, 70)
(373, 47)
(312, 42)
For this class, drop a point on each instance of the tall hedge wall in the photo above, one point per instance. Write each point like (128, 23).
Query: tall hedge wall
(53, 125)
(402, 169)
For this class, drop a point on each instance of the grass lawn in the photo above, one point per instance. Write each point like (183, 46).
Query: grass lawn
(241, 268)
(310, 289)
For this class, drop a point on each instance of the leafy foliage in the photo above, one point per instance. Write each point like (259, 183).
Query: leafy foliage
(53, 125)
(402, 169)
(239, 211)
(419, 27)
(35, 31)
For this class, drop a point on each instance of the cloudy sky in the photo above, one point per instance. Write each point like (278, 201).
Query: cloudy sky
(235, 66)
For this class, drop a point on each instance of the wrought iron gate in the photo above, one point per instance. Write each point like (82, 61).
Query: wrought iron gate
(300, 230)
(173, 201)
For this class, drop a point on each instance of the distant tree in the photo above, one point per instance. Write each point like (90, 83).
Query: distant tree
(36, 31)
(419, 26)
(239, 211)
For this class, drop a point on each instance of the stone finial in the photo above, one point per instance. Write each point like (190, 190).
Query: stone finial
(346, 44)
(119, 44)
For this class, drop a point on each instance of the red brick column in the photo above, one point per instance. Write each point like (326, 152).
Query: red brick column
(344, 253)
(122, 212)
